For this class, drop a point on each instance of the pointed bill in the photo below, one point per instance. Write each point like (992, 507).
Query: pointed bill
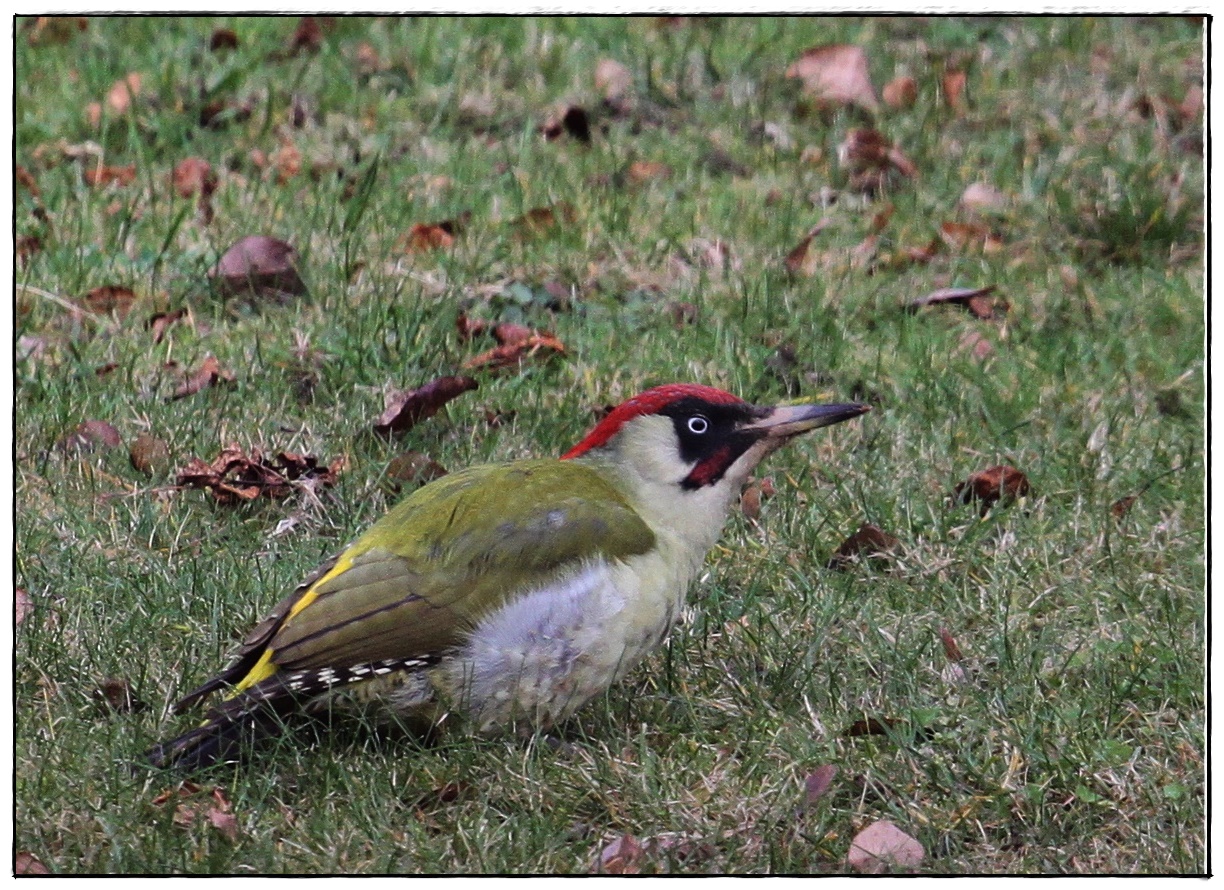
(785, 421)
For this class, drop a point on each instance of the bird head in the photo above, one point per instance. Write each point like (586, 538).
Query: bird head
(695, 437)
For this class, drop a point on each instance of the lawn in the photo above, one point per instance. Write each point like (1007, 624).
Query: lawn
(989, 229)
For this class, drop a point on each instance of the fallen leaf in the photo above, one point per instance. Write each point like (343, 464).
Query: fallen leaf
(222, 38)
(89, 435)
(612, 79)
(900, 92)
(837, 74)
(55, 29)
(796, 261)
(28, 864)
(469, 327)
(540, 220)
(23, 605)
(424, 237)
(405, 409)
(954, 89)
(574, 122)
(538, 345)
(110, 298)
(818, 782)
(982, 197)
(234, 477)
(883, 846)
(976, 344)
(873, 726)
(193, 176)
(123, 92)
(104, 175)
(951, 650)
(872, 160)
(974, 299)
(963, 236)
(639, 173)
(413, 467)
(210, 373)
(307, 36)
(149, 455)
(1122, 506)
(226, 823)
(258, 265)
(1000, 484)
(621, 857)
(116, 695)
(869, 542)
(160, 322)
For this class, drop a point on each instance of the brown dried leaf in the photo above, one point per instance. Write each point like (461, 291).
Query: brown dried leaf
(540, 220)
(964, 236)
(612, 79)
(1000, 484)
(55, 29)
(308, 36)
(405, 409)
(622, 856)
(797, 262)
(424, 237)
(976, 344)
(900, 92)
(103, 175)
(883, 846)
(149, 455)
(234, 477)
(1122, 506)
(194, 176)
(88, 436)
(982, 197)
(973, 299)
(639, 173)
(869, 542)
(23, 605)
(818, 782)
(210, 373)
(259, 265)
(115, 695)
(872, 160)
(159, 322)
(873, 726)
(28, 864)
(837, 74)
(123, 92)
(954, 89)
(951, 650)
(413, 467)
(538, 345)
(222, 38)
(750, 501)
(469, 327)
(110, 298)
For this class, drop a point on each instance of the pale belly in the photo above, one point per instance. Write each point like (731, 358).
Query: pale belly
(543, 656)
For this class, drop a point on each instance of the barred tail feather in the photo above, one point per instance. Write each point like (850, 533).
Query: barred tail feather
(260, 711)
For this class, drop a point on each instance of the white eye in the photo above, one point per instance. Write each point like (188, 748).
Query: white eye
(698, 424)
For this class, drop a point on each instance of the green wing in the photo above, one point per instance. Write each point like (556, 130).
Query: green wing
(425, 573)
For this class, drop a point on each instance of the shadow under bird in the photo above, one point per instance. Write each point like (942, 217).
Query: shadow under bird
(508, 594)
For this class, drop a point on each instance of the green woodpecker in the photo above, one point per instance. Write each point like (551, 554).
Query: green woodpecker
(511, 593)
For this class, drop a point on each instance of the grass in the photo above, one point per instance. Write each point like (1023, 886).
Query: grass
(1070, 736)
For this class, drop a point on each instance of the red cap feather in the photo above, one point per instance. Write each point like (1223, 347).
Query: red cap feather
(649, 402)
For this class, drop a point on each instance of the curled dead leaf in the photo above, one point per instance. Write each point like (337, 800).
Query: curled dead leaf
(541, 220)
(412, 467)
(976, 300)
(23, 605)
(623, 856)
(818, 782)
(954, 89)
(1000, 484)
(110, 298)
(234, 477)
(1122, 506)
(115, 695)
(25, 863)
(88, 436)
(797, 262)
(101, 174)
(407, 408)
(539, 346)
(209, 373)
(872, 160)
(193, 176)
(881, 847)
(159, 322)
(836, 74)
(900, 92)
(970, 236)
(258, 265)
(423, 237)
(951, 650)
(149, 455)
(869, 542)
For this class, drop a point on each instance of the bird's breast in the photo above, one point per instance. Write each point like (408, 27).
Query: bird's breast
(548, 651)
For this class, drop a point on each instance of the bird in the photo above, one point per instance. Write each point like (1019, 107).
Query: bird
(508, 594)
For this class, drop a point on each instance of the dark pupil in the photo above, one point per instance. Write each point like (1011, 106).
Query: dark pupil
(698, 424)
